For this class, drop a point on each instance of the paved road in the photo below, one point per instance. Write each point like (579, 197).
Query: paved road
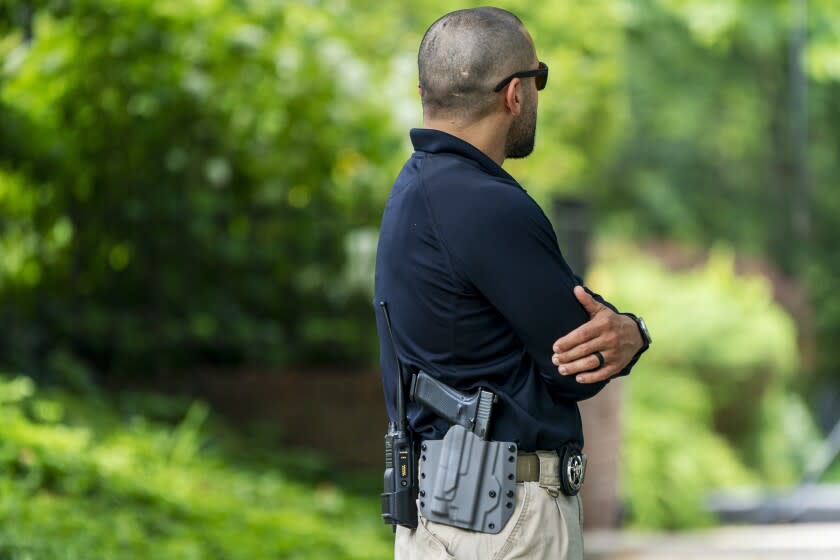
(813, 541)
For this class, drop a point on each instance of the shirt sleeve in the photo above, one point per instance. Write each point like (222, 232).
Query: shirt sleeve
(508, 250)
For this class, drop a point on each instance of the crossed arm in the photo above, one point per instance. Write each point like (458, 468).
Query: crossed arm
(508, 250)
(614, 335)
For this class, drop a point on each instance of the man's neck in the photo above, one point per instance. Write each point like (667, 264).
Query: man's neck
(483, 134)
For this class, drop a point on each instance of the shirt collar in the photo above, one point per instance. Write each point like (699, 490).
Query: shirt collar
(436, 141)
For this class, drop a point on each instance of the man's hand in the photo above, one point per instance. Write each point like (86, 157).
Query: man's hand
(615, 336)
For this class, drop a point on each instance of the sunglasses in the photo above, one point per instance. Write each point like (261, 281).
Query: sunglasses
(540, 76)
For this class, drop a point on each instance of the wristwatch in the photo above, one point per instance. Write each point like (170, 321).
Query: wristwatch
(643, 330)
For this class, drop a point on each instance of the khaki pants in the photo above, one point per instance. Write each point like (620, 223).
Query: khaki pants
(546, 524)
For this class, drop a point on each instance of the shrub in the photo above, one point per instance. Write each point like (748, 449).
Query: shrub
(710, 404)
(180, 178)
(80, 478)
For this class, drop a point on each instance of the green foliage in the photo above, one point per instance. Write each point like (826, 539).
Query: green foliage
(833, 474)
(673, 456)
(80, 478)
(709, 151)
(709, 404)
(179, 179)
(707, 92)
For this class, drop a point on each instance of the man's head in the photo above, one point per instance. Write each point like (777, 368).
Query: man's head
(463, 57)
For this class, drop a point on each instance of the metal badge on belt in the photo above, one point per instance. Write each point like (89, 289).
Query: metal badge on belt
(572, 469)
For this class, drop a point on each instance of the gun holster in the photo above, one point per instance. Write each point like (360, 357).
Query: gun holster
(468, 482)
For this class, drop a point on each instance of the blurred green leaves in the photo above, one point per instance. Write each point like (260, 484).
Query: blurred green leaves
(117, 481)
(178, 183)
(673, 455)
(711, 404)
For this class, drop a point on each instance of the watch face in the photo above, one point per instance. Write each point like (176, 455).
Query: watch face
(645, 332)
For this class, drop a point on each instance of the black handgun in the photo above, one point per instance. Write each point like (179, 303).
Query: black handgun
(473, 412)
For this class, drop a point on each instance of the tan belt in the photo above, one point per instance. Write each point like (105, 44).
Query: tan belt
(528, 466)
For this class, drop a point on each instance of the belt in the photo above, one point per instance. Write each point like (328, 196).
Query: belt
(565, 468)
(527, 468)
(551, 469)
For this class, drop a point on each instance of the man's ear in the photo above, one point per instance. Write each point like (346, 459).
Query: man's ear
(513, 96)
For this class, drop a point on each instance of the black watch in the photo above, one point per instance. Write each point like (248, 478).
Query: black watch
(643, 330)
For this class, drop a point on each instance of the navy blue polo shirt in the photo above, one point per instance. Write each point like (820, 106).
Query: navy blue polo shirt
(478, 292)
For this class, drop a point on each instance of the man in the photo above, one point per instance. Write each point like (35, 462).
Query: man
(478, 292)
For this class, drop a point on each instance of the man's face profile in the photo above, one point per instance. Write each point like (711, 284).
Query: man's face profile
(523, 130)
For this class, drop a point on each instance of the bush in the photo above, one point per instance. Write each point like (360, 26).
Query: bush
(83, 479)
(710, 404)
(673, 454)
(179, 180)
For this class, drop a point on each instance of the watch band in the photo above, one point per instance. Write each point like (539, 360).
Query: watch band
(643, 330)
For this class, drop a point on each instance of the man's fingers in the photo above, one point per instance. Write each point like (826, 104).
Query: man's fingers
(586, 348)
(588, 302)
(587, 363)
(605, 332)
(583, 333)
(595, 376)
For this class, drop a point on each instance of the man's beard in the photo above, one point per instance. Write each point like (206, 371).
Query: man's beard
(520, 138)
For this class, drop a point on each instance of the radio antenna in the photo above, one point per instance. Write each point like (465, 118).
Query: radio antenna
(400, 389)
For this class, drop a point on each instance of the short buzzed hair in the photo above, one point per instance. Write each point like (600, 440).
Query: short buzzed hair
(462, 57)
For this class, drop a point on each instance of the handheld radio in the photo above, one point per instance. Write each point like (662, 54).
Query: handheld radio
(400, 493)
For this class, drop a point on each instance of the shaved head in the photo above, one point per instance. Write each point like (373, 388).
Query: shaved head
(464, 55)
